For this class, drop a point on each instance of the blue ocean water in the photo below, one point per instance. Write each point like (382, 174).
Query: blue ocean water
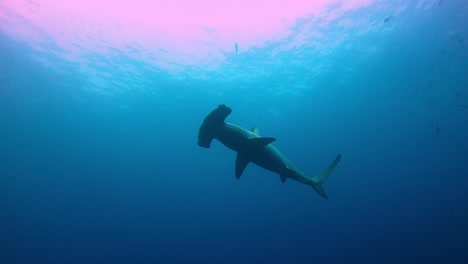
(107, 170)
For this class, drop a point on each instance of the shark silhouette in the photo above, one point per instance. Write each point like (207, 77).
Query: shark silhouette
(251, 147)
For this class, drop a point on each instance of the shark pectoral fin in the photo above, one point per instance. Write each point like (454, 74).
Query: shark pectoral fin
(261, 142)
(255, 130)
(241, 163)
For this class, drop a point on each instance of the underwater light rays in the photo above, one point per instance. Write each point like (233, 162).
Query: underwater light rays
(174, 36)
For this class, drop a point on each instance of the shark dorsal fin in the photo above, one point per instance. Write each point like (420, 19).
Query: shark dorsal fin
(261, 142)
(241, 162)
(255, 130)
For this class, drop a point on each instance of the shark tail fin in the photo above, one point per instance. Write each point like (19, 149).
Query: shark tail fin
(318, 180)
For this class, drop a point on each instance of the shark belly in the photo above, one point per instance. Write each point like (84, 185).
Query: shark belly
(269, 158)
(234, 137)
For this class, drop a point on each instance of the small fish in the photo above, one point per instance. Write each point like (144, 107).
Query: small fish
(417, 91)
(236, 48)
(441, 2)
(437, 129)
(432, 101)
(457, 93)
(465, 105)
(454, 36)
(443, 50)
(460, 40)
(387, 19)
(429, 85)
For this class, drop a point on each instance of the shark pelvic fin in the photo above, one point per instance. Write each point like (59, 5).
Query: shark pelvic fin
(283, 177)
(288, 173)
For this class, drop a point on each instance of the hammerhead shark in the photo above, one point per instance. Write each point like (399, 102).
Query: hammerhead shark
(251, 147)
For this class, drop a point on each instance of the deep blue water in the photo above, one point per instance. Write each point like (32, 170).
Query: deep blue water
(93, 178)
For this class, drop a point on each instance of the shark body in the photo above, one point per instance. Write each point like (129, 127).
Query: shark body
(251, 147)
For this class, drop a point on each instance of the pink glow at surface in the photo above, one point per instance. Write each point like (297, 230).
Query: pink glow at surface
(160, 32)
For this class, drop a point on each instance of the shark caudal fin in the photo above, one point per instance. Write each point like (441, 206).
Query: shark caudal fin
(318, 180)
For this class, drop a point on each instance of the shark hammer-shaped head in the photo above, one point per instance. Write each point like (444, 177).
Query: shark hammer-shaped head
(211, 123)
